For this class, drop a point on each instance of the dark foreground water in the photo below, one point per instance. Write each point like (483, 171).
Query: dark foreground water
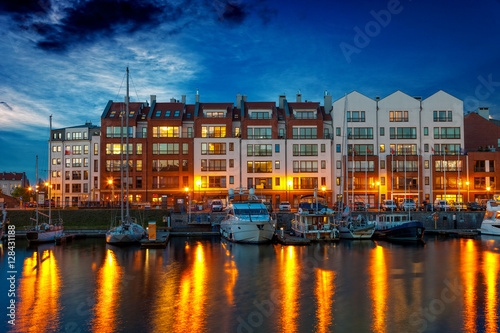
(198, 285)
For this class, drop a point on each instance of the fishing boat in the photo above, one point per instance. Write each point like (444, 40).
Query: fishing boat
(313, 220)
(398, 227)
(45, 228)
(127, 230)
(358, 228)
(491, 221)
(247, 219)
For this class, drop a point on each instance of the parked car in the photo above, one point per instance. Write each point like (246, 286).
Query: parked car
(441, 204)
(217, 206)
(285, 205)
(407, 204)
(426, 206)
(389, 205)
(474, 206)
(458, 206)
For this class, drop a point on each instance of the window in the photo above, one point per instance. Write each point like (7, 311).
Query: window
(249, 183)
(166, 182)
(305, 166)
(185, 165)
(305, 150)
(426, 180)
(76, 188)
(96, 165)
(231, 163)
(276, 148)
(166, 132)
(326, 133)
(360, 133)
(382, 164)
(277, 165)
(259, 167)
(323, 164)
(138, 149)
(355, 116)
(259, 115)
(323, 148)
(360, 149)
(338, 149)
(446, 132)
(426, 131)
(338, 181)
(403, 132)
(77, 175)
(426, 147)
(259, 133)
(231, 146)
(76, 162)
(231, 179)
(259, 150)
(67, 162)
(165, 148)
(305, 182)
(382, 148)
(382, 181)
(165, 165)
(138, 182)
(492, 166)
(213, 165)
(54, 161)
(305, 133)
(85, 162)
(157, 113)
(77, 136)
(398, 116)
(213, 131)
(281, 134)
(66, 175)
(382, 131)
(185, 148)
(323, 181)
(85, 175)
(54, 148)
(339, 164)
(177, 113)
(338, 132)
(77, 150)
(214, 114)
(305, 115)
(138, 165)
(237, 133)
(213, 148)
(213, 181)
(86, 149)
(443, 116)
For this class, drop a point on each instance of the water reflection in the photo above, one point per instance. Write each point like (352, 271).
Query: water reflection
(379, 289)
(469, 267)
(231, 274)
(39, 293)
(490, 270)
(324, 291)
(107, 295)
(190, 308)
(290, 288)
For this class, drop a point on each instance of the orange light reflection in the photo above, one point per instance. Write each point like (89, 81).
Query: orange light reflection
(469, 270)
(324, 292)
(39, 292)
(379, 289)
(108, 295)
(490, 270)
(190, 308)
(290, 289)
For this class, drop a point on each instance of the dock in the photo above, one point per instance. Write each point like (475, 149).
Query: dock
(459, 233)
(154, 243)
(291, 240)
(63, 239)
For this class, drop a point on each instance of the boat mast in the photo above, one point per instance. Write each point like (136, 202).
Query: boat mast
(127, 133)
(50, 170)
(121, 165)
(36, 190)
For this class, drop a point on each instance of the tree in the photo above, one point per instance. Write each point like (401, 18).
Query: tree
(21, 192)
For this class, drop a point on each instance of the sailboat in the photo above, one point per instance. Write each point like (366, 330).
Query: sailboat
(49, 230)
(127, 231)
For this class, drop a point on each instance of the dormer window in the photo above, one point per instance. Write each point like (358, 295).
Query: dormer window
(112, 114)
(158, 113)
(306, 114)
(177, 113)
(131, 114)
(167, 113)
(260, 115)
(214, 114)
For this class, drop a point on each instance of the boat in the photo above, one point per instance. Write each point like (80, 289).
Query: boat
(491, 221)
(398, 227)
(358, 228)
(50, 228)
(247, 219)
(313, 220)
(126, 231)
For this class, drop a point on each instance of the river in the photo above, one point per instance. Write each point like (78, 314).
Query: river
(209, 285)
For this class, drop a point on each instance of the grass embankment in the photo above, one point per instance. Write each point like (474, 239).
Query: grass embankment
(86, 218)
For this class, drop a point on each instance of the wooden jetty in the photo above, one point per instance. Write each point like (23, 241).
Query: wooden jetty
(291, 240)
(154, 243)
(460, 233)
(63, 239)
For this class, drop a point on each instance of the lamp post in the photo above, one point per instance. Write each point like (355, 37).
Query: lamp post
(110, 182)
(289, 184)
(467, 183)
(198, 184)
(189, 203)
(323, 188)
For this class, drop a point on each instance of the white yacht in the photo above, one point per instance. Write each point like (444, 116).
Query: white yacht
(491, 221)
(247, 219)
(313, 219)
(126, 232)
(355, 228)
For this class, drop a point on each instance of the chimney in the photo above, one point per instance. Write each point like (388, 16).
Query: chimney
(173, 100)
(244, 98)
(484, 112)
(183, 99)
(238, 101)
(153, 99)
(197, 95)
(328, 102)
(282, 101)
(299, 97)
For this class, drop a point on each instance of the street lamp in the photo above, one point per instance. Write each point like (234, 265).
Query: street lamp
(488, 189)
(110, 182)
(189, 203)
(198, 183)
(290, 183)
(467, 183)
(378, 184)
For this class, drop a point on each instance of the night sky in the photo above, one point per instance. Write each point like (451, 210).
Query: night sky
(68, 58)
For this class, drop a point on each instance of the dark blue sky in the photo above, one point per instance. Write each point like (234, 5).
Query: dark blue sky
(68, 58)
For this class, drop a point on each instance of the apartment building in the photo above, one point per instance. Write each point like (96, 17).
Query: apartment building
(10, 180)
(74, 163)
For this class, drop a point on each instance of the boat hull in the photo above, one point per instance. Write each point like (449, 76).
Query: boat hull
(406, 232)
(37, 237)
(318, 235)
(247, 232)
(123, 235)
(490, 228)
(362, 233)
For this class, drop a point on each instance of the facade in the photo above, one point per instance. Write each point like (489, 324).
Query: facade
(355, 148)
(10, 180)
(74, 164)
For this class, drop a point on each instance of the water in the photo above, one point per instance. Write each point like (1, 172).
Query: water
(197, 285)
